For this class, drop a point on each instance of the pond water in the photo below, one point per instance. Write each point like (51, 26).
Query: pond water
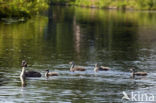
(118, 39)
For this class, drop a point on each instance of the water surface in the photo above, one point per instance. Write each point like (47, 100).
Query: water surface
(120, 40)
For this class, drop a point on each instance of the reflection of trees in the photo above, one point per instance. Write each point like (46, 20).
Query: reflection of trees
(115, 36)
(82, 34)
(77, 34)
(19, 40)
(59, 32)
(1, 79)
(114, 32)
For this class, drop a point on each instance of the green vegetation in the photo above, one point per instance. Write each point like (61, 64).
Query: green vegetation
(14, 36)
(21, 8)
(119, 4)
(26, 8)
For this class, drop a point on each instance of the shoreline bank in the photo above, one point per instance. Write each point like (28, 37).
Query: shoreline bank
(110, 4)
(21, 9)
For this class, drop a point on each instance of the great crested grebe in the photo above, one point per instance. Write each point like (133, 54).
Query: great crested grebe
(100, 68)
(134, 73)
(47, 74)
(73, 68)
(31, 73)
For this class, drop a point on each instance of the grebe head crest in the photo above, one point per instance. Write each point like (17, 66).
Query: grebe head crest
(132, 69)
(24, 63)
(72, 63)
(47, 70)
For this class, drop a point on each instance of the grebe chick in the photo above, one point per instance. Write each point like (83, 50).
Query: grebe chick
(73, 68)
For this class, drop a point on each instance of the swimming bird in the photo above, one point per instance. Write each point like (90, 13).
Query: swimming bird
(100, 68)
(47, 74)
(73, 68)
(134, 73)
(25, 73)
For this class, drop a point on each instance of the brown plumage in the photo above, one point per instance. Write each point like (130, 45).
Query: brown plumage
(134, 73)
(73, 68)
(47, 74)
(104, 68)
(100, 68)
(78, 69)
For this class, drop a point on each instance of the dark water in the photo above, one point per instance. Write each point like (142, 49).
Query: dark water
(111, 38)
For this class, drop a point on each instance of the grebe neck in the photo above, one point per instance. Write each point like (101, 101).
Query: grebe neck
(46, 74)
(72, 66)
(133, 74)
(23, 72)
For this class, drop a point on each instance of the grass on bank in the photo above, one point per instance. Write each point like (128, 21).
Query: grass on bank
(120, 4)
